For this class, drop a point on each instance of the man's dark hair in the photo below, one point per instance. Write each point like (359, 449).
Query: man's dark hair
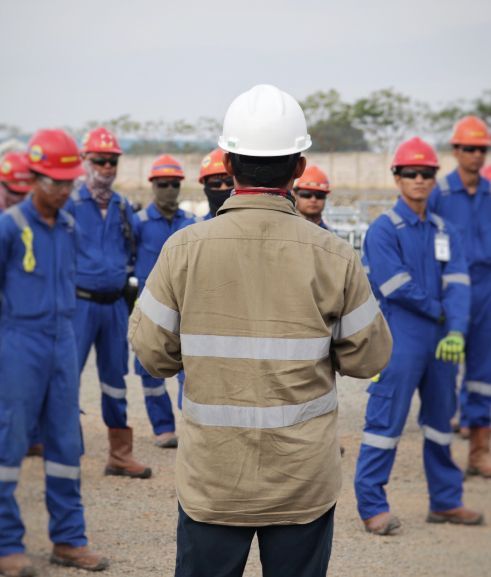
(265, 171)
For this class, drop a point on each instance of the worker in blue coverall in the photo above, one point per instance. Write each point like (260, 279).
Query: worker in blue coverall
(152, 227)
(38, 357)
(418, 270)
(103, 262)
(463, 198)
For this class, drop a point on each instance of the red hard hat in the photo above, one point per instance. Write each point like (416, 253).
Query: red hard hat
(486, 171)
(166, 165)
(314, 178)
(55, 154)
(100, 140)
(15, 172)
(415, 152)
(212, 164)
(471, 130)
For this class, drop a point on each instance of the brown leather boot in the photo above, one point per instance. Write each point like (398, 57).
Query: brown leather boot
(17, 565)
(121, 462)
(479, 454)
(79, 557)
(382, 524)
(458, 516)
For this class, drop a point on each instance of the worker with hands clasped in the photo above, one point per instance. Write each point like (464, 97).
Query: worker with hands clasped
(260, 308)
(39, 391)
(417, 268)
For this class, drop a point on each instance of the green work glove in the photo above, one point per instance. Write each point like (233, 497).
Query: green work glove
(451, 348)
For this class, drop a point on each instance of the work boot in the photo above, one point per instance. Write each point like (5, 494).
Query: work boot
(479, 455)
(121, 462)
(382, 524)
(458, 516)
(35, 450)
(166, 440)
(79, 557)
(17, 565)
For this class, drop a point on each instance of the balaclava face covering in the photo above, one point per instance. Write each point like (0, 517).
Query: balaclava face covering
(166, 200)
(99, 186)
(216, 197)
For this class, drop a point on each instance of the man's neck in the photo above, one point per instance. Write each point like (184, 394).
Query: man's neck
(470, 180)
(316, 219)
(417, 206)
(47, 214)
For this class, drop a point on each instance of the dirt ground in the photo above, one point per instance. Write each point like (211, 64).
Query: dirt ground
(133, 521)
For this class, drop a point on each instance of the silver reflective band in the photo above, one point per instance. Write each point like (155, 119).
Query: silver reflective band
(113, 392)
(394, 283)
(394, 217)
(366, 268)
(258, 417)
(9, 474)
(154, 392)
(437, 436)
(459, 278)
(62, 471)
(379, 441)
(158, 313)
(479, 387)
(259, 348)
(356, 320)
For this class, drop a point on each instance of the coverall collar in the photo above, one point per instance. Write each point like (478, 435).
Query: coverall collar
(259, 201)
(456, 184)
(154, 214)
(407, 213)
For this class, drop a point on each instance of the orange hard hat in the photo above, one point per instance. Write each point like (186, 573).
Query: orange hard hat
(471, 130)
(100, 140)
(415, 152)
(486, 171)
(212, 164)
(15, 172)
(166, 165)
(313, 178)
(54, 153)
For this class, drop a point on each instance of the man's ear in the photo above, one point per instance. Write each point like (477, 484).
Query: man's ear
(227, 163)
(299, 170)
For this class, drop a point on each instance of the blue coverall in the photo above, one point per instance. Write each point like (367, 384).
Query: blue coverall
(470, 214)
(103, 257)
(151, 231)
(39, 370)
(416, 293)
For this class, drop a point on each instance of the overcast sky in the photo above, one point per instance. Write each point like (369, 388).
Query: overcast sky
(65, 62)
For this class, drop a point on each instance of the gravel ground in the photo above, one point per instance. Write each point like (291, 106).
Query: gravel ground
(133, 521)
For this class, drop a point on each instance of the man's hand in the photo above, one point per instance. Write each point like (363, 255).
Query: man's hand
(451, 348)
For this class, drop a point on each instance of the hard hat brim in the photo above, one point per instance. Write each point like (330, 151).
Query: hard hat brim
(60, 173)
(264, 153)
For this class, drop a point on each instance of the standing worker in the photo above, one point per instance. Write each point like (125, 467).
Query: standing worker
(463, 197)
(217, 183)
(418, 269)
(103, 257)
(260, 307)
(153, 226)
(15, 177)
(40, 388)
(310, 192)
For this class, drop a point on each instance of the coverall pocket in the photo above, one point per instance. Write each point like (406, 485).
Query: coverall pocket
(379, 408)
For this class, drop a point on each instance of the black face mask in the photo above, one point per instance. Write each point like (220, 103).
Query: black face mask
(216, 198)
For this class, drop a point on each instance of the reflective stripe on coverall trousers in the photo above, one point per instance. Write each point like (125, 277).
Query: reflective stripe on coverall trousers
(39, 371)
(415, 291)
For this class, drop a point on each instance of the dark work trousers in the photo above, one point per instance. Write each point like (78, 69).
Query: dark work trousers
(205, 550)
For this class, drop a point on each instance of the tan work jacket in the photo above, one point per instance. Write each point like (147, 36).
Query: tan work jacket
(260, 307)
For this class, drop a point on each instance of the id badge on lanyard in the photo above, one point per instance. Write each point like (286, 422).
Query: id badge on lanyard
(442, 247)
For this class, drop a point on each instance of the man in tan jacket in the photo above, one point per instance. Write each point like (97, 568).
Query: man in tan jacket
(260, 307)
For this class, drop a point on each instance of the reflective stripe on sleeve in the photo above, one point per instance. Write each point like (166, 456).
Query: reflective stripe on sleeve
(356, 320)
(255, 347)
(62, 471)
(479, 387)
(154, 391)
(258, 417)
(437, 437)
(394, 283)
(158, 313)
(458, 278)
(379, 441)
(9, 474)
(113, 392)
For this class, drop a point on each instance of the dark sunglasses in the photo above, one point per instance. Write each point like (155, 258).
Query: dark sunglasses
(319, 195)
(167, 183)
(113, 161)
(217, 182)
(412, 173)
(471, 149)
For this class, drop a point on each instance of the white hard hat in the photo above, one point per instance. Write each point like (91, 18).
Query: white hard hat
(264, 121)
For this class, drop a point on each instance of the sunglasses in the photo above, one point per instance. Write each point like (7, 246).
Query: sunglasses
(412, 173)
(217, 182)
(318, 194)
(471, 149)
(112, 161)
(167, 183)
